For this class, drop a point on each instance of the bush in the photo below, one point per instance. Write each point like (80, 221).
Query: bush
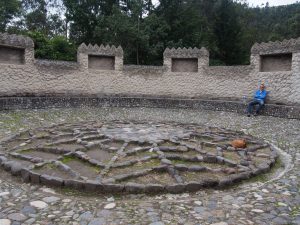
(56, 48)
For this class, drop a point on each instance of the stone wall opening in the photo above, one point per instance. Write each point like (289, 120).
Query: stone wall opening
(184, 65)
(10, 55)
(101, 62)
(276, 62)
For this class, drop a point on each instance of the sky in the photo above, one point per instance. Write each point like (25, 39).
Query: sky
(260, 2)
(271, 2)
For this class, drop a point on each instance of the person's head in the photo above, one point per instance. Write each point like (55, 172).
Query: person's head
(262, 87)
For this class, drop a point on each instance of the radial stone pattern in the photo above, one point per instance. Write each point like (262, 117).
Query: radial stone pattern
(115, 157)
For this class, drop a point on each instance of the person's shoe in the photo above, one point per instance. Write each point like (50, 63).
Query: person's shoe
(248, 114)
(256, 114)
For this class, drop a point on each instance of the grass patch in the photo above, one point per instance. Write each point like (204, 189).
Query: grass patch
(180, 161)
(262, 178)
(266, 176)
(68, 159)
(25, 151)
(295, 211)
(233, 156)
(198, 176)
(136, 167)
(46, 166)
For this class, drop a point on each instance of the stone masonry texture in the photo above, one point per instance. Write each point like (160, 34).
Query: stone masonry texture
(41, 77)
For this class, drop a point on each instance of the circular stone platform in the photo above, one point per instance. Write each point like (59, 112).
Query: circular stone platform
(115, 157)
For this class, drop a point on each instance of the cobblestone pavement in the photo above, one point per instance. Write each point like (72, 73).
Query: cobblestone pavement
(273, 199)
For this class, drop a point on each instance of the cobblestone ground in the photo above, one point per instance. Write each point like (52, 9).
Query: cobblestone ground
(266, 200)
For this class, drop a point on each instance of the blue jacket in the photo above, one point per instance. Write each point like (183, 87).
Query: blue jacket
(261, 96)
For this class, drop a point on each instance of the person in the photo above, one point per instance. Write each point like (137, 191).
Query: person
(259, 99)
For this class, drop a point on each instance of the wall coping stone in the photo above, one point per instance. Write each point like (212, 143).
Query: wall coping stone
(16, 41)
(100, 50)
(276, 47)
(186, 53)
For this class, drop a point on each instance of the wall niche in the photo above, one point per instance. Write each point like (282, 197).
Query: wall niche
(184, 65)
(101, 62)
(276, 62)
(10, 55)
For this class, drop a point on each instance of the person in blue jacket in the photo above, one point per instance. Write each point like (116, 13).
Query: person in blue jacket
(259, 99)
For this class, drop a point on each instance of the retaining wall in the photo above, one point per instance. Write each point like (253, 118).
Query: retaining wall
(110, 77)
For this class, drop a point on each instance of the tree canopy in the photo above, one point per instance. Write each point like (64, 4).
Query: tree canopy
(226, 28)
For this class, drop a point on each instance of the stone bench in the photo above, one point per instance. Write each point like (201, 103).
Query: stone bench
(61, 101)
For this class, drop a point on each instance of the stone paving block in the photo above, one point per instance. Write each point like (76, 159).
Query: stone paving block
(154, 188)
(193, 186)
(25, 175)
(134, 188)
(76, 184)
(51, 181)
(93, 186)
(113, 188)
(16, 168)
(34, 177)
(175, 188)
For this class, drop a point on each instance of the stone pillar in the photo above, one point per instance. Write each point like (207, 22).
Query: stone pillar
(188, 60)
(16, 49)
(255, 58)
(295, 79)
(285, 62)
(100, 57)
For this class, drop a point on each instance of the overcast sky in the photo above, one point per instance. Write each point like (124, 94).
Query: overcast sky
(259, 2)
(271, 2)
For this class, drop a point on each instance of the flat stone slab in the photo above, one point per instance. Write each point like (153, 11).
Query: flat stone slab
(51, 199)
(39, 204)
(17, 217)
(5, 222)
(133, 158)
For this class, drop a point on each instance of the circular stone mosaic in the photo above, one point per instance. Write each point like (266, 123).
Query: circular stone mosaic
(115, 157)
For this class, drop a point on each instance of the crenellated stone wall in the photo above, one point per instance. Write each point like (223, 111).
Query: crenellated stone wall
(186, 73)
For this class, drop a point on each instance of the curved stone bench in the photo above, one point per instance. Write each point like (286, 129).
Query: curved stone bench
(59, 101)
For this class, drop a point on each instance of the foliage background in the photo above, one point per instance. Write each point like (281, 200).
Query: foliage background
(227, 28)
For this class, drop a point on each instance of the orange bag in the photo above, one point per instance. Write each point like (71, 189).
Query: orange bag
(239, 143)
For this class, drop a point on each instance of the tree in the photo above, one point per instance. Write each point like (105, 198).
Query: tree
(227, 31)
(84, 17)
(295, 25)
(44, 16)
(57, 48)
(228, 28)
(8, 9)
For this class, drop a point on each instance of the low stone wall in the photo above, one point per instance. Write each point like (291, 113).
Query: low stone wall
(12, 103)
(42, 77)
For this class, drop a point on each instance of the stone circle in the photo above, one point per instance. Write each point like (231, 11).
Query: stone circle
(134, 157)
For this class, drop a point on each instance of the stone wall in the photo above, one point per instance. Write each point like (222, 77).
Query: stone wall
(42, 77)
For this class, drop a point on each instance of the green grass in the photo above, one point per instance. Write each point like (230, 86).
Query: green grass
(25, 151)
(67, 159)
(295, 211)
(46, 166)
(178, 161)
(266, 176)
(260, 178)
